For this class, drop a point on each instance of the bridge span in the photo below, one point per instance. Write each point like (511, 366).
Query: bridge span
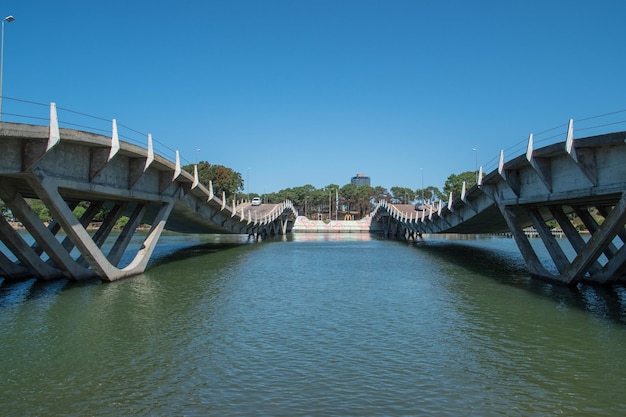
(63, 167)
(583, 178)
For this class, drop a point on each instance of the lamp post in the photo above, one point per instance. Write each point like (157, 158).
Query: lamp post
(336, 202)
(6, 19)
(476, 164)
(248, 183)
(422, 172)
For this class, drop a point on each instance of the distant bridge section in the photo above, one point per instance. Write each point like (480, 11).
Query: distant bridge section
(64, 167)
(582, 178)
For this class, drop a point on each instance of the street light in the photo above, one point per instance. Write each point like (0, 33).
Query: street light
(248, 183)
(6, 19)
(422, 171)
(476, 164)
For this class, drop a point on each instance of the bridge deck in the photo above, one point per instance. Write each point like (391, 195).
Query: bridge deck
(63, 167)
(555, 182)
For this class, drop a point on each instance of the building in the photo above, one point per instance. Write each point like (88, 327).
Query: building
(360, 179)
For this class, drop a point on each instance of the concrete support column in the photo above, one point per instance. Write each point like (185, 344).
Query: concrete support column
(554, 249)
(25, 255)
(124, 238)
(572, 235)
(139, 263)
(100, 265)
(53, 248)
(54, 228)
(593, 226)
(84, 220)
(597, 244)
(11, 270)
(535, 266)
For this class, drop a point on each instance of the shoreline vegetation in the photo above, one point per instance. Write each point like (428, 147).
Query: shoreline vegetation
(93, 226)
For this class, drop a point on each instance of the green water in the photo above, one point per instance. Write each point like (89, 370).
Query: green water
(328, 325)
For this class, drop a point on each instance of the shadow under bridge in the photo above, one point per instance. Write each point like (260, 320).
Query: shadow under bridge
(64, 167)
(577, 184)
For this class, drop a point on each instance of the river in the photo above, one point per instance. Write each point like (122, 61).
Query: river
(315, 325)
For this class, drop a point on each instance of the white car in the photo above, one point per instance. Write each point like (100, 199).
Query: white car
(256, 201)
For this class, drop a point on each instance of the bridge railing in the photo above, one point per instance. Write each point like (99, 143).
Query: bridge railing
(25, 111)
(583, 127)
(272, 215)
(31, 112)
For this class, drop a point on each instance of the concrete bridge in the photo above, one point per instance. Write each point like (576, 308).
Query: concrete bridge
(63, 167)
(582, 178)
(585, 178)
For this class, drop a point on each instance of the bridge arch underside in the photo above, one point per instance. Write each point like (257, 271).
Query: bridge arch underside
(566, 187)
(84, 169)
(67, 247)
(597, 256)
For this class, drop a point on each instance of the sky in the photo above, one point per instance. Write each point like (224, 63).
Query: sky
(296, 92)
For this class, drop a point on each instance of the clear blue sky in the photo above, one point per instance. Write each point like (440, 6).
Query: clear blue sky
(293, 92)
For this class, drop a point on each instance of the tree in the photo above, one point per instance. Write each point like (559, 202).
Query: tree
(4, 209)
(223, 179)
(299, 195)
(319, 201)
(454, 183)
(402, 195)
(79, 211)
(364, 195)
(429, 193)
(40, 209)
(349, 196)
(381, 193)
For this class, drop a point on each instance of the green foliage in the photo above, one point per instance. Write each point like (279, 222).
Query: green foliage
(381, 193)
(402, 195)
(79, 211)
(4, 210)
(224, 179)
(40, 210)
(429, 193)
(363, 196)
(121, 222)
(307, 198)
(454, 183)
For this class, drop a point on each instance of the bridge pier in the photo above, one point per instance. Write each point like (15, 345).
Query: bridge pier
(597, 261)
(601, 242)
(60, 263)
(600, 260)
(535, 267)
(91, 262)
(62, 168)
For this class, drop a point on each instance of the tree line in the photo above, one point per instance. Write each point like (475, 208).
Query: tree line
(309, 200)
(348, 198)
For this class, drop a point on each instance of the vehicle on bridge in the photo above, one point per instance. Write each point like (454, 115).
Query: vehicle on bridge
(256, 201)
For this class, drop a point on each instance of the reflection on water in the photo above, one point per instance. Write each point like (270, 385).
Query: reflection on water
(315, 324)
(495, 258)
(321, 237)
(499, 259)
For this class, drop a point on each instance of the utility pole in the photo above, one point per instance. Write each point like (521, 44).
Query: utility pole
(330, 207)
(422, 171)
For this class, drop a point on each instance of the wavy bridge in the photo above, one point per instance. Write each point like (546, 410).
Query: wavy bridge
(582, 179)
(64, 167)
(577, 179)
